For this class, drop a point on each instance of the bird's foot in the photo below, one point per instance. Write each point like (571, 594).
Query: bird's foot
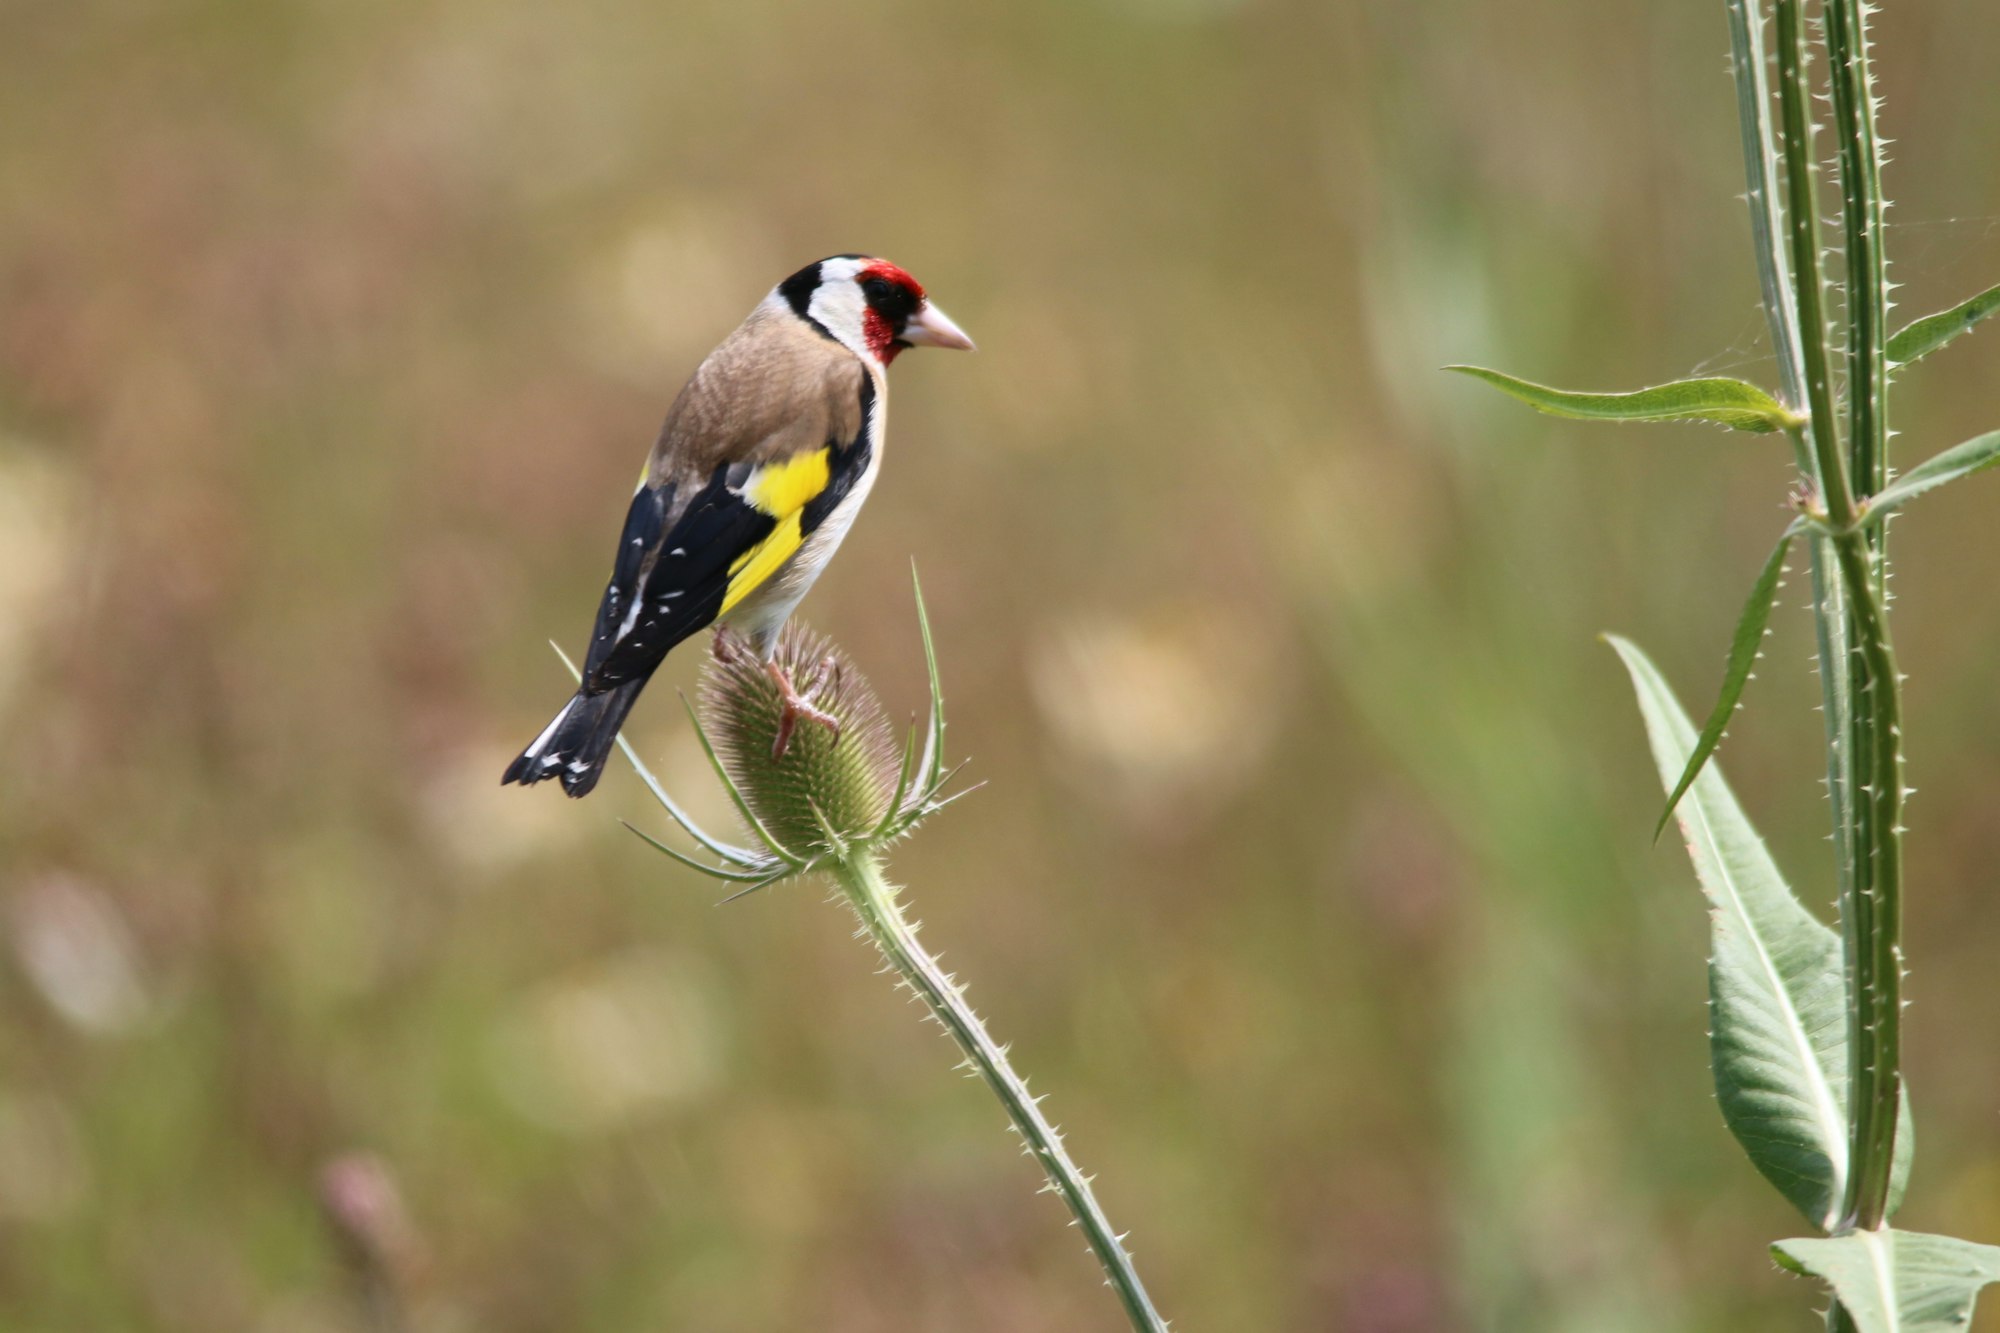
(724, 646)
(798, 704)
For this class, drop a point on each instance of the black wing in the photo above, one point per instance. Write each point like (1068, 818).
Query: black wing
(668, 583)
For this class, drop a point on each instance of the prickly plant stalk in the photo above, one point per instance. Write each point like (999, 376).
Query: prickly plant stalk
(1814, 1093)
(836, 804)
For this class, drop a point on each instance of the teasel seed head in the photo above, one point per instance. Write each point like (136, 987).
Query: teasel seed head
(829, 788)
(830, 797)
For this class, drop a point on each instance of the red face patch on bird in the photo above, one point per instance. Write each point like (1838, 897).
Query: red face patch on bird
(892, 296)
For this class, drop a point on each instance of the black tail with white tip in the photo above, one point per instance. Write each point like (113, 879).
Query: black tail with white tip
(576, 744)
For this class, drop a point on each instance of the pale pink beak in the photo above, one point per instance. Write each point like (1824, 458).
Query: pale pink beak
(931, 327)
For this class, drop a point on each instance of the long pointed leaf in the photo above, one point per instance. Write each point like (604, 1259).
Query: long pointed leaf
(1961, 460)
(1776, 984)
(736, 856)
(1775, 981)
(902, 792)
(1743, 649)
(1920, 337)
(1898, 1281)
(1722, 402)
(713, 872)
(927, 767)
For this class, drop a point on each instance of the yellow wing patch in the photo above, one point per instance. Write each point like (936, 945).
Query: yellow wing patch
(782, 490)
(785, 488)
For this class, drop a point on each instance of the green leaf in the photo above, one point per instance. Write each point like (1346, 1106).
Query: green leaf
(1776, 985)
(1743, 650)
(1919, 338)
(1897, 1281)
(1961, 460)
(1724, 402)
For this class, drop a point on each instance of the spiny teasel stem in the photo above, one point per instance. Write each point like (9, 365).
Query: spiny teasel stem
(874, 900)
(1861, 215)
(1861, 687)
(835, 804)
(1872, 910)
(1871, 914)
(1802, 231)
(1767, 205)
(1872, 838)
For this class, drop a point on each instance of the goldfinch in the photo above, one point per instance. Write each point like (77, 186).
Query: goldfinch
(765, 458)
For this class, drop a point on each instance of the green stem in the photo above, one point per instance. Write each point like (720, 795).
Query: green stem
(1871, 914)
(1802, 230)
(1871, 836)
(1833, 632)
(1872, 930)
(1849, 720)
(1861, 210)
(1857, 653)
(1767, 206)
(874, 900)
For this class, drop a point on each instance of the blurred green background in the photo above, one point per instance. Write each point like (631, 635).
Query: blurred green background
(1312, 877)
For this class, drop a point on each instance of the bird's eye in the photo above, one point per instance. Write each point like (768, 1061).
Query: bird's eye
(876, 288)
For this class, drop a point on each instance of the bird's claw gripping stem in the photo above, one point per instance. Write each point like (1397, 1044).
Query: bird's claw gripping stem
(798, 704)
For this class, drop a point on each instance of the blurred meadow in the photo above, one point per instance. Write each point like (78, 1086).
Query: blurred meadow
(1311, 879)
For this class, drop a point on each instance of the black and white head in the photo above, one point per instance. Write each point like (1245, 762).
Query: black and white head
(869, 305)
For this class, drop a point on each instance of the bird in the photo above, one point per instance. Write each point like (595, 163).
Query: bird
(766, 456)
